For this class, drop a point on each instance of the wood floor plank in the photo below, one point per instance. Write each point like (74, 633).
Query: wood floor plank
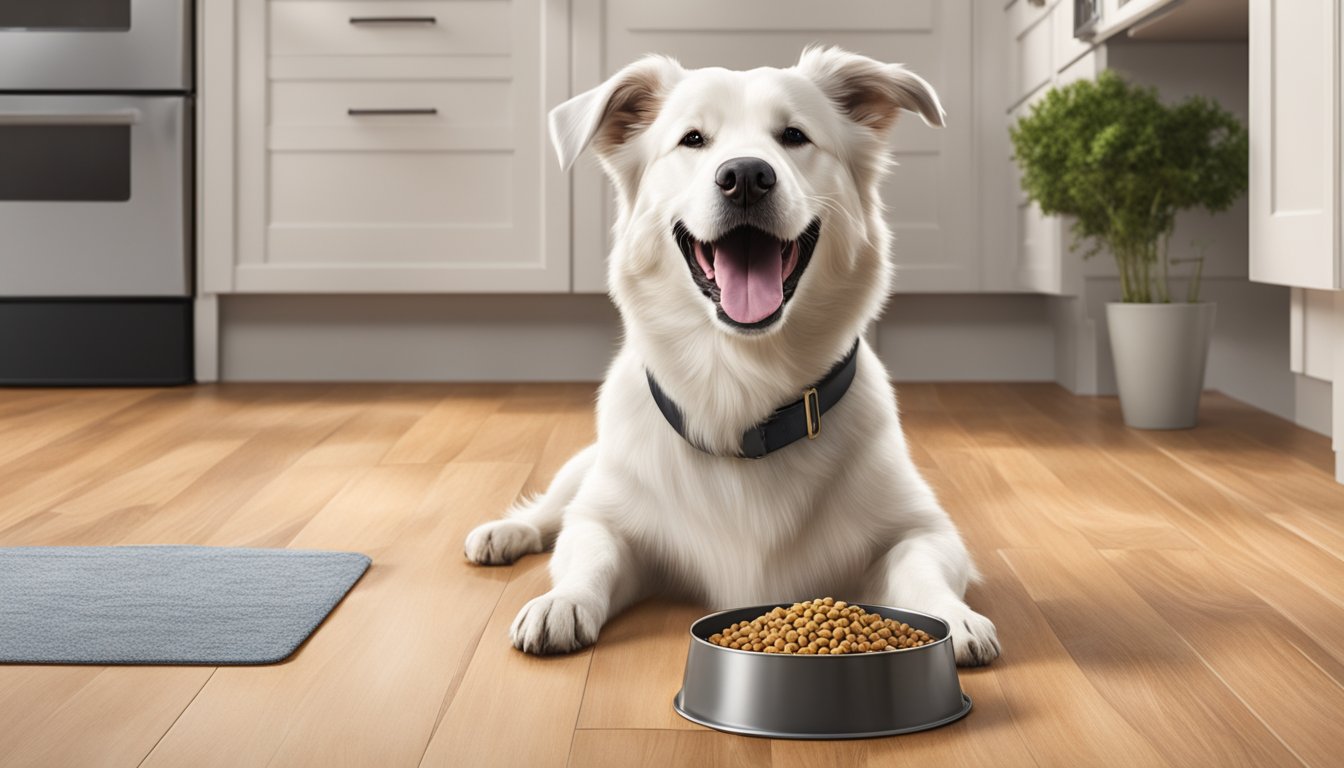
(365, 438)
(1049, 697)
(1228, 528)
(51, 418)
(573, 432)
(637, 668)
(30, 695)
(104, 513)
(989, 735)
(444, 430)
(392, 646)
(1244, 642)
(505, 693)
(1136, 660)
(127, 439)
(281, 508)
(666, 749)
(510, 437)
(115, 719)
(206, 505)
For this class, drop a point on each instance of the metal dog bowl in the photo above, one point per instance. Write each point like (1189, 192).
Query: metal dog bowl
(790, 696)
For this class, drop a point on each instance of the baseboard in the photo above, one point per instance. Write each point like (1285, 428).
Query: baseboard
(975, 337)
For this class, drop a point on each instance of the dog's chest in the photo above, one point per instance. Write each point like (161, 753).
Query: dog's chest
(749, 531)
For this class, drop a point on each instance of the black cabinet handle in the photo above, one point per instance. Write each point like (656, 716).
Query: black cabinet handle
(353, 112)
(394, 20)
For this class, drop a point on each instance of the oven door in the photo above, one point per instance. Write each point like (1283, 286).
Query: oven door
(95, 45)
(94, 196)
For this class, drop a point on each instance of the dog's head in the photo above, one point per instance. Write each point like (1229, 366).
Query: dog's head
(747, 201)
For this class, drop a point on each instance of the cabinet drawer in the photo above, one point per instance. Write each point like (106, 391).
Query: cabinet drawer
(401, 28)
(392, 188)
(391, 207)
(370, 115)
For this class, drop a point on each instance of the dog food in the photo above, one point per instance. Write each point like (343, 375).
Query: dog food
(823, 626)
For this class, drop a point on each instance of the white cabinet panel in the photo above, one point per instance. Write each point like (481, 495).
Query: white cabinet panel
(1033, 56)
(1045, 256)
(403, 152)
(389, 188)
(1295, 142)
(390, 28)
(931, 194)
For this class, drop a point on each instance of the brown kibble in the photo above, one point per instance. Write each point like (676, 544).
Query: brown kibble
(823, 626)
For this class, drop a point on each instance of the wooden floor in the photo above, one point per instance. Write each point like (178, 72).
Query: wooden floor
(1162, 598)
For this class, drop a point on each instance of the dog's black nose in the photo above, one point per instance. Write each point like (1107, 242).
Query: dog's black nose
(744, 180)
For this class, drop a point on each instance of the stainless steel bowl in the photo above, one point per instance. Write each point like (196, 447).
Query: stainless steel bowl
(790, 696)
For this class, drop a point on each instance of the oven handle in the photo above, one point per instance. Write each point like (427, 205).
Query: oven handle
(116, 117)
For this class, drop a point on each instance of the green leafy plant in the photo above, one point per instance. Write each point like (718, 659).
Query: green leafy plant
(1122, 164)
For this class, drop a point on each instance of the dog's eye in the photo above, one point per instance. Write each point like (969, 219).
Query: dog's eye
(693, 140)
(793, 137)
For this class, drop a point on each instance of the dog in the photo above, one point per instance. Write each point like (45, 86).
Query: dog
(749, 449)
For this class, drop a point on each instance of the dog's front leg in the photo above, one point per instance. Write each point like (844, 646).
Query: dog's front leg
(594, 577)
(928, 572)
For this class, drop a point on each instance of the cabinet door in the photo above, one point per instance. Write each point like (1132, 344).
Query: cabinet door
(930, 195)
(1294, 106)
(399, 146)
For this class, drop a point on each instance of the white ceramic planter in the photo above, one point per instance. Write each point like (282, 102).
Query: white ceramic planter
(1160, 351)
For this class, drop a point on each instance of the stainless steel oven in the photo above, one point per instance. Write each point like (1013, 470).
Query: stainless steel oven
(93, 196)
(95, 45)
(95, 191)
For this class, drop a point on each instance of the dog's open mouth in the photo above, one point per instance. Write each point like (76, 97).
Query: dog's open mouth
(748, 273)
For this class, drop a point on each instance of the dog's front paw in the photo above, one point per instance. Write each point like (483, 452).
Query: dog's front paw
(555, 623)
(974, 639)
(500, 542)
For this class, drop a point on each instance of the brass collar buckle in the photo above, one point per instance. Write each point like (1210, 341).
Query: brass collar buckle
(812, 411)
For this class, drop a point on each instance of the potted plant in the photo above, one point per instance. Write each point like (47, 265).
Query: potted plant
(1122, 164)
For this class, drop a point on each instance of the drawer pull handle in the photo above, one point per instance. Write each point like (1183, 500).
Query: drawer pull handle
(353, 112)
(394, 20)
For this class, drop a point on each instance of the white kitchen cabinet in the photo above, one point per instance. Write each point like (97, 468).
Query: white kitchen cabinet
(1295, 93)
(388, 146)
(931, 195)
(1043, 54)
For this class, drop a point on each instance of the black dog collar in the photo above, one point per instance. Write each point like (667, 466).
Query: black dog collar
(788, 424)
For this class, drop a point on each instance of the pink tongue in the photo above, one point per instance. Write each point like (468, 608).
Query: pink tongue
(749, 269)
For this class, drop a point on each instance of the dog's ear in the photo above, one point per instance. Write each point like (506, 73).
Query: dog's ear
(613, 112)
(869, 92)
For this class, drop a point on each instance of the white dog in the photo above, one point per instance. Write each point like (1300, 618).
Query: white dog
(750, 253)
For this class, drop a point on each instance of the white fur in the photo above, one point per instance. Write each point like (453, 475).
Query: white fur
(642, 511)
